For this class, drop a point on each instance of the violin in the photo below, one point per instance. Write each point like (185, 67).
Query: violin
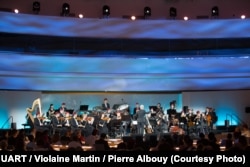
(61, 118)
(67, 118)
(42, 118)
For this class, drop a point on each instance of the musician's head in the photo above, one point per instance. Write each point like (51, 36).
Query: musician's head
(172, 105)
(158, 105)
(63, 104)
(51, 106)
(74, 114)
(57, 114)
(105, 100)
(67, 114)
(137, 105)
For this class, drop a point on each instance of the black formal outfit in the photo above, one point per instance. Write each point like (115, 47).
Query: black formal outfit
(75, 125)
(62, 111)
(105, 106)
(141, 121)
(171, 116)
(57, 125)
(39, 126)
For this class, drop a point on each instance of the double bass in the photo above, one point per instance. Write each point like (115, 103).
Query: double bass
(209, 119)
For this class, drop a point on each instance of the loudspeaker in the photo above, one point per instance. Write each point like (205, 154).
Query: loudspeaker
(13, 125)
(247, 109)
(227, 124)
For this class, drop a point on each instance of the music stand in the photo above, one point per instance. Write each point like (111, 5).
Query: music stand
(84, 107)
(154, 108)
(70, 111)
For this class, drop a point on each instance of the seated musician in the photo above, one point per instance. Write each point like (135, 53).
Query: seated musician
(66, 121)
(57, 123)
(56, 120)
(38, 123)
(106, 116)
(161, 126)
(74, 122)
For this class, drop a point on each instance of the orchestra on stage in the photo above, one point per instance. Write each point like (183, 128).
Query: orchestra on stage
(118, 121)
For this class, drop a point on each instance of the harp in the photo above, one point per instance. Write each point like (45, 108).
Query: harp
(36, 104)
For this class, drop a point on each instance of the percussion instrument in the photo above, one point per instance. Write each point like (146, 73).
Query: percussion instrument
(123, 107)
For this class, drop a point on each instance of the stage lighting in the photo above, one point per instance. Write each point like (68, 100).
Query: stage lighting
(36, 7)
(172, 12)
(133, 18)
(16, 11)
(215, 11)
(105, 11)
(242, 16)
(147, 12)
(65, 9)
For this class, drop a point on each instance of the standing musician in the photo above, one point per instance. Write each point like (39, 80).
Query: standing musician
(211, 117)
(50, 112)
(199, 122)
(172, 114)
(62, 109)
(190, 120)
(183, 120)
(152, 117)
(133, 125)
(105, 104)
(159, 112)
